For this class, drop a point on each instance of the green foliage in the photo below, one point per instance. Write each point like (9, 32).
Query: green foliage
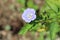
(30, 4)
(52, 5)
(25, 29)
(36, 27)
(53, 30)
(49, 16)
(21, 1)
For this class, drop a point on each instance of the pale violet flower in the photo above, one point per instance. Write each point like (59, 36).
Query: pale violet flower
(29, 15)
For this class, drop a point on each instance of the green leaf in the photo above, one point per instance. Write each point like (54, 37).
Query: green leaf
(53, 30)
(58, 15)
(51, 14)
(21, 1)
(25, 29)
(57, 3)
(36, 27)
(52, 5)
(44, 8)
(35, 7)
(32, 5)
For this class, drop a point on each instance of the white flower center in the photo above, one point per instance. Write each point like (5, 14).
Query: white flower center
(29, 16)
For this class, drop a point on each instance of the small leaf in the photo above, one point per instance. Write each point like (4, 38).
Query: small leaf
(52, 5)
(30, 4)
(21, 1)
(57, 3)
(25, 29)
(53, 30)
(51, 14)
(36, 26)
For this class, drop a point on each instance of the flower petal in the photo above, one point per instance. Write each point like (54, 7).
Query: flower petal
(25, 18)
(28, 21)
(27, 12)
(33, 17)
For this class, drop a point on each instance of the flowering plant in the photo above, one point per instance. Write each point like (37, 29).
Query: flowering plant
(42, 18)
(29, 15)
